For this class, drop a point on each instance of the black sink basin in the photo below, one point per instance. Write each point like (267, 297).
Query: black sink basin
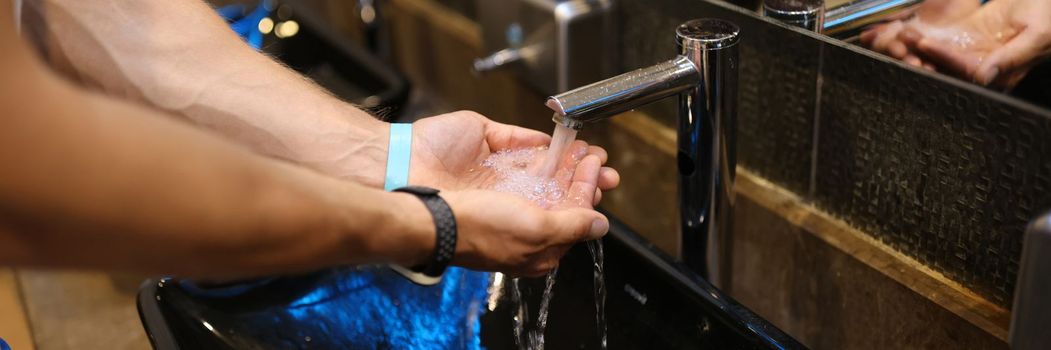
(653, 303)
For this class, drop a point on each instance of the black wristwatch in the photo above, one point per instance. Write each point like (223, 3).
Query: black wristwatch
(444, 227)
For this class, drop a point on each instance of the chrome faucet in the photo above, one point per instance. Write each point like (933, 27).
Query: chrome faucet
(704, 77)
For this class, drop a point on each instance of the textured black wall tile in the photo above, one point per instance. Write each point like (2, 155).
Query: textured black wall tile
(778, 72)
(777, 97)
(945, 173)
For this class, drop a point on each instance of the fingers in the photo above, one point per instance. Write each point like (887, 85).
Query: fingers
(948, 57)
(608, 178)
(577, 150)
(584, 183)
(577, 224)
(548, 260)
(887, 36)
(869, 35)
(912, 60)
(600, 152)
(569, 162)
(910, 36)
(503, 136)
(897, 49)
(1019, 52)
(538, 270)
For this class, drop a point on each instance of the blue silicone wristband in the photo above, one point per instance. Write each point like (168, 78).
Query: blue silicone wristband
(398, 154)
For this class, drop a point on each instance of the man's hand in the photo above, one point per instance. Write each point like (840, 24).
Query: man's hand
(498, 231)
(504, 232)
(448, 150)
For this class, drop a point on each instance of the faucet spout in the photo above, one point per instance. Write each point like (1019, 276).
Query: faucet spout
(624, 92)
(704, 77)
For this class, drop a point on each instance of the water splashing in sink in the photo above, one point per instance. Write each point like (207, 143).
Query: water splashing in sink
(521, 311)
(595, 248)
(536, 336)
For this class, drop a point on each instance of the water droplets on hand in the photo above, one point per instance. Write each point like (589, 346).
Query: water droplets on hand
(514, 175)
(525, 173)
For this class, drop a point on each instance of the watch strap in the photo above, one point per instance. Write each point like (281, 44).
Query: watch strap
(444, 227)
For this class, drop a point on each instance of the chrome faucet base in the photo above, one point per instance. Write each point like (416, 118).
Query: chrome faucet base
(704, 77)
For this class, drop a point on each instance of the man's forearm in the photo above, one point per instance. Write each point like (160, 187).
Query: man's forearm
(93, 183)
(180, 57)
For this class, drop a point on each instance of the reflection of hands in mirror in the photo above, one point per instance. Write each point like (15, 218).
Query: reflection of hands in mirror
(887, 38)
(996, 44)
(1002, 41)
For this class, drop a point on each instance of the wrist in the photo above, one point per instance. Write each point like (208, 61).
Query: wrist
(409, 234)
(356, 150)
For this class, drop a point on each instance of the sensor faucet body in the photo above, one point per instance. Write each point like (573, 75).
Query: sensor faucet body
(704, 77)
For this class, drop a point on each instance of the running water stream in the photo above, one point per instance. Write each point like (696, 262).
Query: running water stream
(539, 186)
(536, 336)
(560, 140)
(521, 311)
(595, 248)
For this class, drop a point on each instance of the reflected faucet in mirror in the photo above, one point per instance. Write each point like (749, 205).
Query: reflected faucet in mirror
(806, 14)
(842, 21)
(704, 77)
(848, 20)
